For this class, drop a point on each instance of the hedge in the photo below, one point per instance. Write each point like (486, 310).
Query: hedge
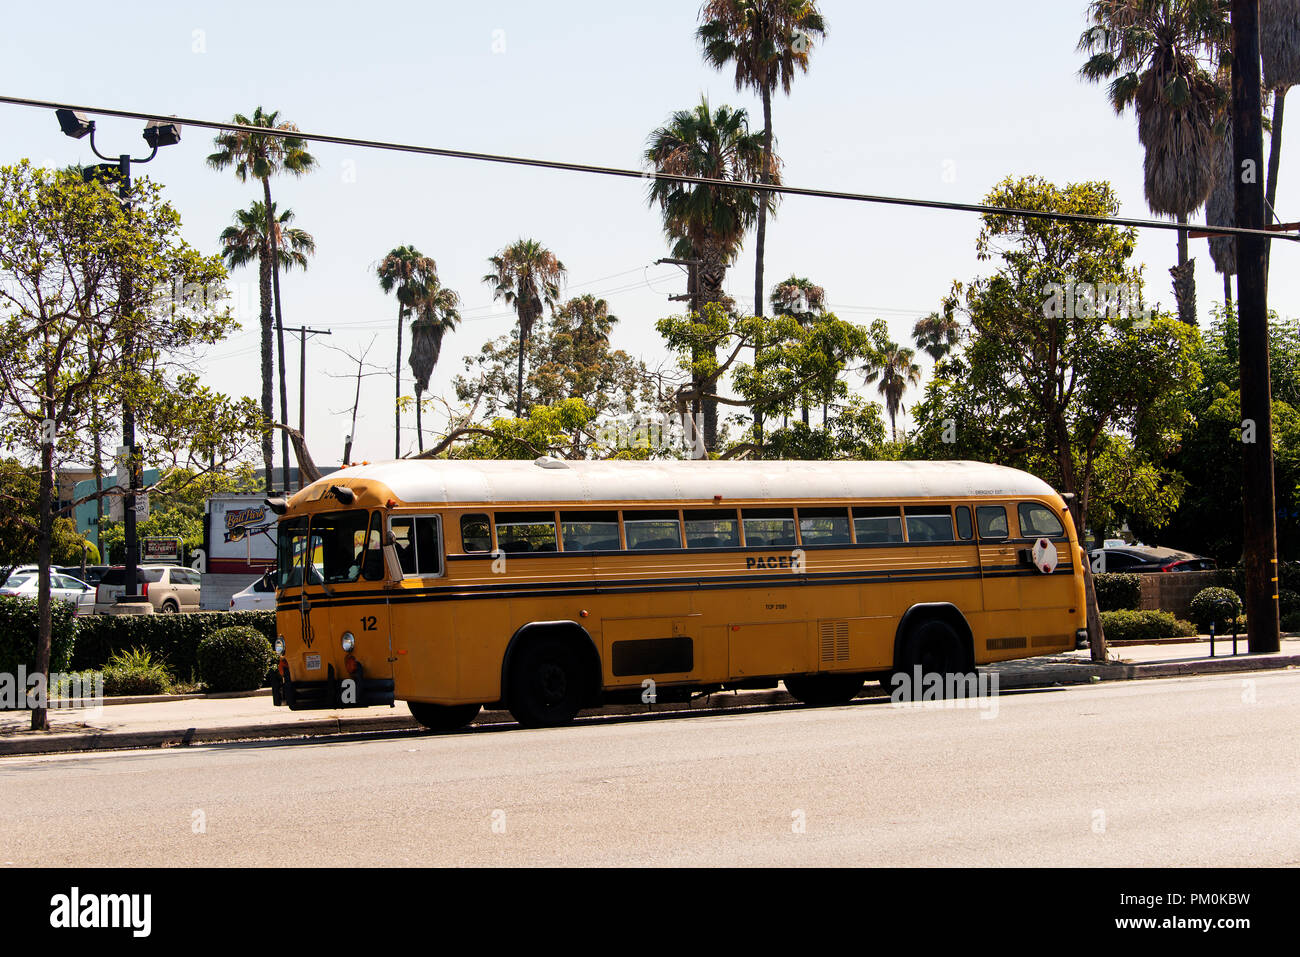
(1215, 606)
(20, 627)
(1117, 591)
(173, 638)
(1144, 625)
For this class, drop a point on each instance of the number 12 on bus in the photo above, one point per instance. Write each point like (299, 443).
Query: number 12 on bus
(549, 587)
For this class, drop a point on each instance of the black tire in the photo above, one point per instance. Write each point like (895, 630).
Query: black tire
(547, 686)
(824, 689)
(444, 717)
(170, 607)
(936, 647)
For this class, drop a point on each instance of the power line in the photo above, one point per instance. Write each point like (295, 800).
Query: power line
(653, 176)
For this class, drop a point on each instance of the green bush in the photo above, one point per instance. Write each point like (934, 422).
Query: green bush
(135, 672)
(1288, 602)
(19, 628)
(1215, 606)
(1291, 621)
(1117, 591)
(1126, 625)
(173, 638)
(234, 659)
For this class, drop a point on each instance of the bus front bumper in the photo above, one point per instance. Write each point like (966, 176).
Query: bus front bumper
(331, 693)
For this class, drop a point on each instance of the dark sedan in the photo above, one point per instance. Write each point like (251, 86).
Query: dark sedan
(1147, 558)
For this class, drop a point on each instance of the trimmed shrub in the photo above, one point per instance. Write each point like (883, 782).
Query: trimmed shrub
(1215, 606)
(1288, 602)
(1117, 591)
(1291, 621)
(20, 627)
(135, 672)
(173, 638)
(1126, 625)
(234, 659)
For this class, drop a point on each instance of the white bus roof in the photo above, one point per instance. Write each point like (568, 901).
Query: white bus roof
(453, 481)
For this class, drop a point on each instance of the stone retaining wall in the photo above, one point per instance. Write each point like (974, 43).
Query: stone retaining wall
(1174, 591)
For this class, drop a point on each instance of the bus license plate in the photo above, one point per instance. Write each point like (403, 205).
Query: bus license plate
(313, 662)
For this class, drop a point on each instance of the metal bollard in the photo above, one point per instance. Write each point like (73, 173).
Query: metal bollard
(1211, 639)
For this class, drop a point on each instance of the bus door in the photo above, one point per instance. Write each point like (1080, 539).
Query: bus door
(999, 573)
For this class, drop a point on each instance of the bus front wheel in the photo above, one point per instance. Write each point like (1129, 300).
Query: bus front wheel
(546, 684)
(443, 717)
(935, 648)
(824, 689)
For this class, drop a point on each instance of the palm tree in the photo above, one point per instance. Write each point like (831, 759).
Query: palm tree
(804, 300)
(707, 222)
(936, 334)
(439, 314)
(895, 373)
(767, 41)
(412, 275)
(261, 156)
(1279, 54)
(1155, 52)
(243, 243)
(525, 275)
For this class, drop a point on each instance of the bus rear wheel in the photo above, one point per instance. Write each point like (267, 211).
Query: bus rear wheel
(936, 648)
(824, 689)
(546, 684)
(443, 717)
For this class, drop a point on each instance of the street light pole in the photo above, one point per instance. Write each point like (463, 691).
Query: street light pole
(156, 134)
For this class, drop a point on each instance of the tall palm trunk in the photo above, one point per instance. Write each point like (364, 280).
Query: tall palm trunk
(397, 398)
(1274, 160)
(760, 240)
(519, 377)
(268, 408)
(279, 330)
(1184, 278)
(419, 423)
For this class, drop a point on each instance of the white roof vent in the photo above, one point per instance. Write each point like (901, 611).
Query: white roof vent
(550, 462)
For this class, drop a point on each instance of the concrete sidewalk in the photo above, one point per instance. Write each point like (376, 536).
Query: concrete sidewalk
(192, 720)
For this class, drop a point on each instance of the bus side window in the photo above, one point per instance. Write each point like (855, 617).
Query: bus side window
(589, 531)
(992, 521)
(768, 527)
(652, 529)
(824, 526)
(428, 546)
(1037, 520)
(877, 525)
(475, 533)
(526, 531)
(964, 530)
(928, 523)
(404, 534)
(712, 528)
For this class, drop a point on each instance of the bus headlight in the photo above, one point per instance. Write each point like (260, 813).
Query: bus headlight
(279, 644)
(348, 642)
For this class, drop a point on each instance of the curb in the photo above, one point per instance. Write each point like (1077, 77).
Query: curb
(29, 743)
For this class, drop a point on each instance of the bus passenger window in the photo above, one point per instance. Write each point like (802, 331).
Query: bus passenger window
(1039, 521)
(875, 526)
(526, 531)
(475, 533)
(928, 523)
(992, 520)
(768, 527)
(419, 551)
(589, 531)
(824, 526)
(964, 530)
(714, 528)
(660, 529)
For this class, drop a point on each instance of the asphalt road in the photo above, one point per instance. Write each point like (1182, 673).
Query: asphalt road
(1198, 771)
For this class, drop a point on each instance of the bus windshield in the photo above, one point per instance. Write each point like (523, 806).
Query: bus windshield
(344, 546)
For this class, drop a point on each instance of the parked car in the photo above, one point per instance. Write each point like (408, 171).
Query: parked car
(93, 573)
(62, 587)
(169, 588)
(1147, 558)
(258, 596)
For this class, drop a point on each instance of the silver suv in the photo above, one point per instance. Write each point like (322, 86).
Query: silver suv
(169, 588)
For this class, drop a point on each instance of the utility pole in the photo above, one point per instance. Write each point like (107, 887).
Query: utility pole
(303, 333)
(692, 296)
(1260, 530)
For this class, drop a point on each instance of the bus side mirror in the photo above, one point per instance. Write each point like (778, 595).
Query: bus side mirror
(392, 566)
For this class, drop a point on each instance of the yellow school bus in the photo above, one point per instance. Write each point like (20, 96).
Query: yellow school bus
(549, 586)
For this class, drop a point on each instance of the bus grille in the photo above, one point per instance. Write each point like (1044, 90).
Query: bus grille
(835, 640)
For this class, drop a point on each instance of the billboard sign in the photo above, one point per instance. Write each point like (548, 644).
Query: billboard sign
(161, 549)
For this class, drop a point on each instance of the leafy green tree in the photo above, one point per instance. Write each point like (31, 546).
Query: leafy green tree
(245, 242)
(411, 276)
(803, 299)
(1059, 369)
(260, 156)
(1160, 56)
(548, 430)
(75, 262)
(527, 276)
(707, 223)
(856, 432)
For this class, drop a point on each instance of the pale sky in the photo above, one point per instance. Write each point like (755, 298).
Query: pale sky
(931, 100)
